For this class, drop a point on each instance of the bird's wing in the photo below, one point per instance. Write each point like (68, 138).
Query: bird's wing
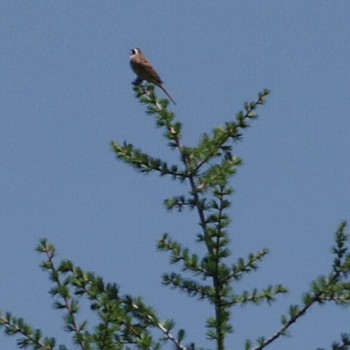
(145, 70)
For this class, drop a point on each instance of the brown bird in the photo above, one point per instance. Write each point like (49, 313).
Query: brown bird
(144, 71)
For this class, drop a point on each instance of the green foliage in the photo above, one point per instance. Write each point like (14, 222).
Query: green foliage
(331, 288)
(124, 321)
(343, 345)
(207, 169)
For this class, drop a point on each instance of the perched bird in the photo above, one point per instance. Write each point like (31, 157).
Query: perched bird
(144, 71)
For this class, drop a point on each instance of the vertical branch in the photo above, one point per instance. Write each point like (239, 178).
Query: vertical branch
(191, 173)
(218, 282)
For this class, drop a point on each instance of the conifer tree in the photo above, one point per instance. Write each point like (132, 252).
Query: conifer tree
(125, 321)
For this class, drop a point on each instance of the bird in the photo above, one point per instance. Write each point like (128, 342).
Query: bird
(145, 71)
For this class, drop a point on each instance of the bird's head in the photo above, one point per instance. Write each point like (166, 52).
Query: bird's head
(135, 51)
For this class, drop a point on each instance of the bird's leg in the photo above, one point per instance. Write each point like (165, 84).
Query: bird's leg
(137, 81)
(139, 87)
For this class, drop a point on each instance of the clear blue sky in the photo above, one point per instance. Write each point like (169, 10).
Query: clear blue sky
(65, 94)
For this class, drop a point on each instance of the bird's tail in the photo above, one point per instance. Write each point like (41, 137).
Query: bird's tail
(167, 93)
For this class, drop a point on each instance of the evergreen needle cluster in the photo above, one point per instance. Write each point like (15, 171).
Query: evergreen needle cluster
(124, 321)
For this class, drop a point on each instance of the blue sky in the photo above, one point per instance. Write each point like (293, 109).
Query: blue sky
(65, 95)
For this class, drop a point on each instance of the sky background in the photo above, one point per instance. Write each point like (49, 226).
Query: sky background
(65, 94)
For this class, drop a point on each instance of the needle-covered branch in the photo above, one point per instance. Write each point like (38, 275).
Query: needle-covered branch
(208, 168)
(344, 343)
(63, 296)
(28, 337)
(189, 261)
(188, 286)
(145, 163)
(332, 288)
(122, 320)
(217, 144)
(268, 295)
(244, 266)
(210, 273)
